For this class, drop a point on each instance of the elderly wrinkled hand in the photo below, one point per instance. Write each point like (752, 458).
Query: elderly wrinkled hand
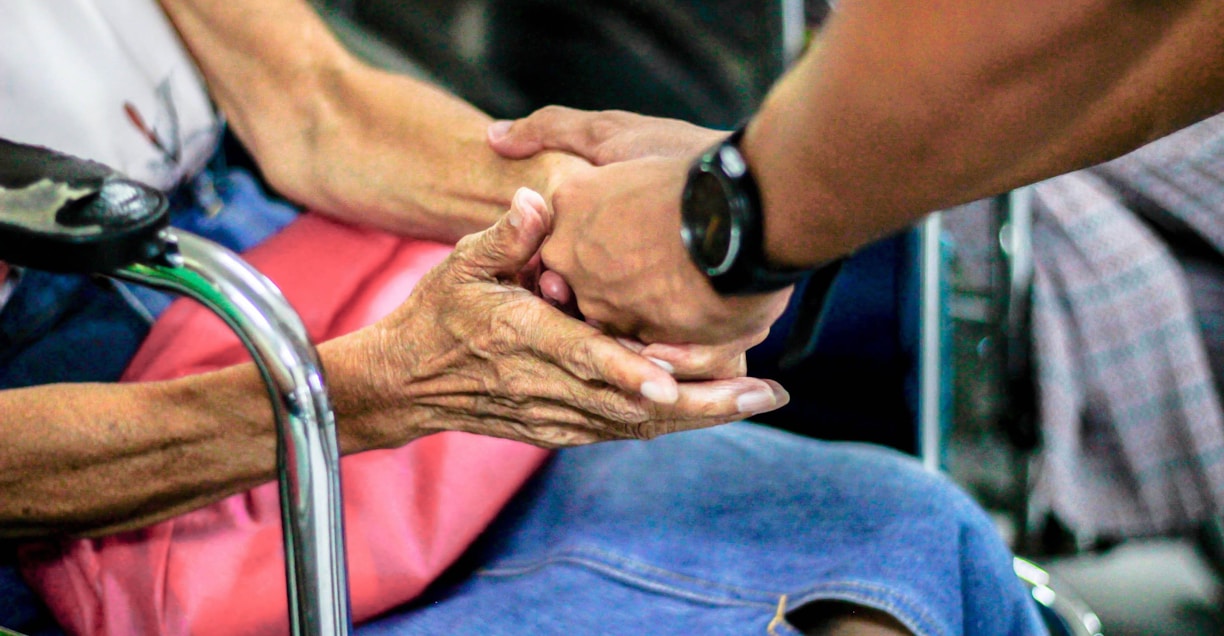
(684, 361)
(474, 350)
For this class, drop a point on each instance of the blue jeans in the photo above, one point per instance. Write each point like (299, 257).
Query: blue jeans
(720, 531)
(724, 531)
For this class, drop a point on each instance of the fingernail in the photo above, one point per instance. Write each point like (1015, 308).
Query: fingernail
(515, 216)
(781, 397)
(663, 364)
(498, 129)
(529, 198)
(755, 401)
(663, 393)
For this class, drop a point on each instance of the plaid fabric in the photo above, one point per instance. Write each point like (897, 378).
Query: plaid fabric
(1133, 433)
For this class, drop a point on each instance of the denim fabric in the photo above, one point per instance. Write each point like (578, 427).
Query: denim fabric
(71, 328)
(705, 532)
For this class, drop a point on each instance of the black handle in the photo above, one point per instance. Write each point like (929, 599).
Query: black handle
(65, 214)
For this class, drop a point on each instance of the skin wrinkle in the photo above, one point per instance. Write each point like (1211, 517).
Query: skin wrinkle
(906, 108)
(578, 352)
(83, 464)
(898, 109)
(344, 104)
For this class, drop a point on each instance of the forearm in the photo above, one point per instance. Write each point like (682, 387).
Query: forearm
(906, 108)
(343, 138)
(91, 459)
(94, 457)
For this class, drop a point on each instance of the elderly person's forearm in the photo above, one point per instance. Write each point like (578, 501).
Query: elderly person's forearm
(82, 458)
(336, 135)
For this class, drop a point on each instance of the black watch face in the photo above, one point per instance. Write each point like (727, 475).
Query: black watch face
(707, 225)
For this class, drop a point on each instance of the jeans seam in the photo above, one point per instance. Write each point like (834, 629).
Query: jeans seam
(619, 571)
(909, 613)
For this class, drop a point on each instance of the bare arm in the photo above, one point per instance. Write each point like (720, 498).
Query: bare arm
(467, 351)
(908, 107)
(81, 456)
(900, 108)
(339, 136)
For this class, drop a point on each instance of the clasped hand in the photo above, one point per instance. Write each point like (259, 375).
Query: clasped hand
(474, 349)
(616, 236)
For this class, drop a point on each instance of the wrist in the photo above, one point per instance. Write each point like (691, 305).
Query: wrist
(723, 223)
(368, 383)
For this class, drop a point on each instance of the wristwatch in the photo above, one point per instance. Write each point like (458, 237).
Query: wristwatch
(721, 224)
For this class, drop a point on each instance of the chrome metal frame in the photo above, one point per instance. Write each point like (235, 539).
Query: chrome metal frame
(930, 345)
(308, 455)
(1072, 613)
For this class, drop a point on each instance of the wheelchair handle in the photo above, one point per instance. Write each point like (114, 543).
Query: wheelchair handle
(65, 214)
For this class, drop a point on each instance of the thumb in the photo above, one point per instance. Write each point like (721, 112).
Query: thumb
(513, 139)
(578, 132)
(506, 248)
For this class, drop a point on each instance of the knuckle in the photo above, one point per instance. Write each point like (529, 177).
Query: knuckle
(565, 195)
(758, 337)
(550, 113)
(646, 430)
(705, 358)
(551, 110)
(620, 409)
(601, 127)
(579, 358)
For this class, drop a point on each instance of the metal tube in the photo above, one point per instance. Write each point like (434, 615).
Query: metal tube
(308, 455)
(1019, 247)
(794, 30)
(930, 345)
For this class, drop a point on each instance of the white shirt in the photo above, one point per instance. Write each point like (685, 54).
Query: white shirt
(107, 80)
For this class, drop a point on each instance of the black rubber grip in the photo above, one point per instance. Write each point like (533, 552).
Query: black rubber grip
(64, 214)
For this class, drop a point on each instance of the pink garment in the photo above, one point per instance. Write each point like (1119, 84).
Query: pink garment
(409, 512)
